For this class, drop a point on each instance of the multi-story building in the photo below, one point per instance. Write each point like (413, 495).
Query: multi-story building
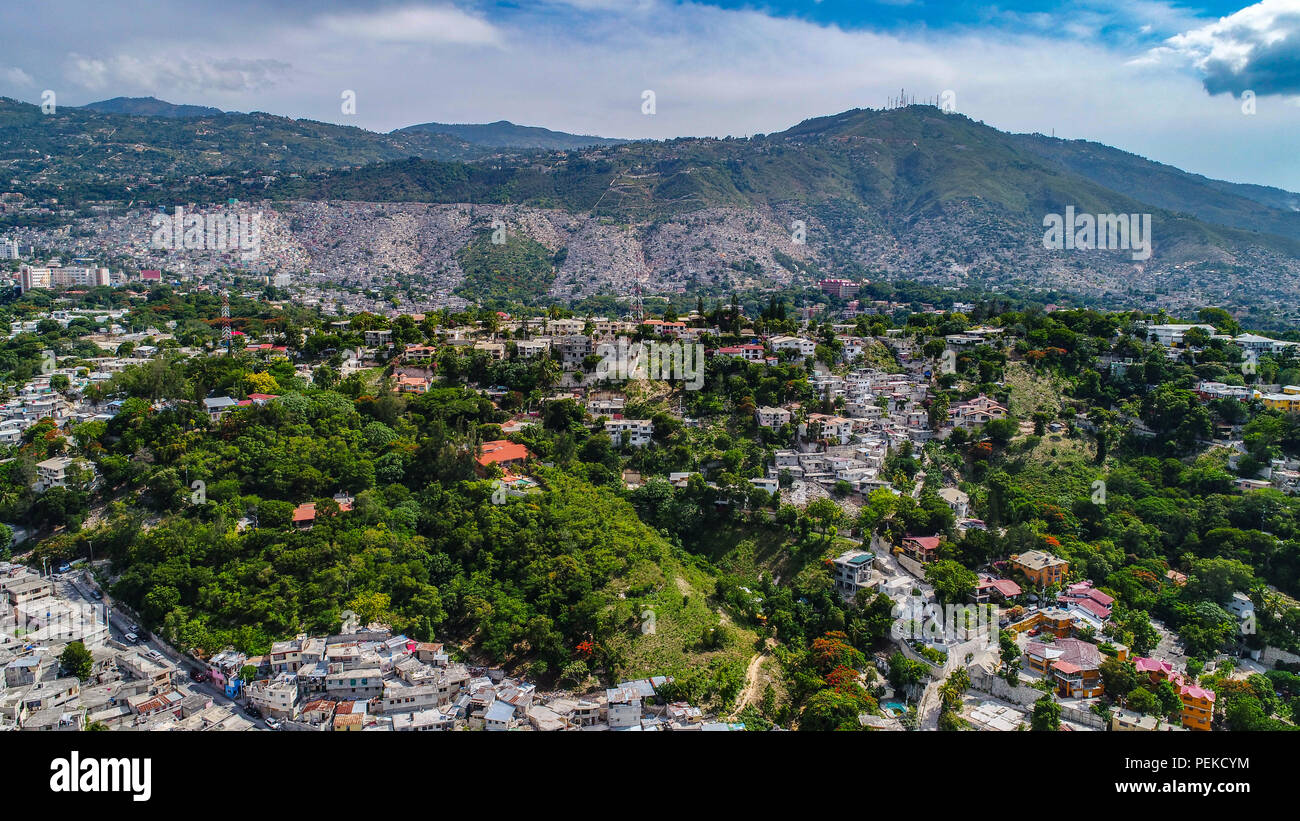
(839, 288)
(635, 432)
(353, 685)
(277, 697)
(773, 417)
(1072, 665)
(56, 472)
(749, 353)
(853, 572)
(1041, 568)
(805, 347)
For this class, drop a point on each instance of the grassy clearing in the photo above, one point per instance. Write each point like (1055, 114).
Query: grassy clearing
(678, 598)
(1031, 392)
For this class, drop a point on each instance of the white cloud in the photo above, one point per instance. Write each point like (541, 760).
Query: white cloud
(415, 24)
(15, 76)
(1256, 48)
(126, 72)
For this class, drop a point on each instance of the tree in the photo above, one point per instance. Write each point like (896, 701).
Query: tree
(904, 671)
(1144, 701)
(260, 383)
(77, 660)
(1047, 715)
(952, 583)
(833, 709)
(1170, 702)
(1118, 677)
(826, 514)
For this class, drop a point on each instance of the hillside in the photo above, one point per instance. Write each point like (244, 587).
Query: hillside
(81, 151)
(151, 107)
(903, 193)
(505, 134)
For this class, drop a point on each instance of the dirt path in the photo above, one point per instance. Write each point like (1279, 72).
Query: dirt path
(750, 693)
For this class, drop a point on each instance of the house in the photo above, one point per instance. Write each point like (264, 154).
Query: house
(1073, 665)
(923, 549)
(1171, 335)
(53, 472)
(277, 697)
(1042, 569)
(749, 353)
(423, 721)
(362, 684)
(573, 349)
(638, 432)
(304, 515)
(1083, 596)
(1198, 707)
(218, 406)
(377, 338)
(1127, 720)
(502, 452)
(773, 417)
(318, 711)
(805, 347)
(957, 500)
(853, 572)
(989, 588)
(531, 348)
(623, 707)
(1198, 702)
(498, 716)
(413, 384)
(835, 428)
(976, 412)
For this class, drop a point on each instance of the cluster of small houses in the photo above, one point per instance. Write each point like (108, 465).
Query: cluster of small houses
(373, 680)
(129, 686)
(364, 679)
(37, 399)
(1050, 635)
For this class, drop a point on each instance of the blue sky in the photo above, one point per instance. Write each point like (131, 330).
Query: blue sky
(1162, 79)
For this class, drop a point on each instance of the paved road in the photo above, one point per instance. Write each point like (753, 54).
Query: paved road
(119, 624)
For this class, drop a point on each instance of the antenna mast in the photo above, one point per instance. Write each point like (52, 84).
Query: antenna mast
(226, 334)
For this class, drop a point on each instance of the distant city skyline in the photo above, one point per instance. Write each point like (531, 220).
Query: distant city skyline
(1161, 79)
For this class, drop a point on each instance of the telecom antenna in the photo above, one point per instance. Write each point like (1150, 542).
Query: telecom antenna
(638, 305)
(226, 334)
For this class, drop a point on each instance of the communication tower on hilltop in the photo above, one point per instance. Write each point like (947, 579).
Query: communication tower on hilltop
(226, 334)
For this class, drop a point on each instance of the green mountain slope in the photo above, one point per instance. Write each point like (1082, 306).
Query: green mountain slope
(151, 107)
(504, 134)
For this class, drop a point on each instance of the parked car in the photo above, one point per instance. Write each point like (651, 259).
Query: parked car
(197, 676)
(132, 638)
(97, 594)
(272, 723)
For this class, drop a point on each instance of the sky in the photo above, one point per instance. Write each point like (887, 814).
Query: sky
(1209, 87)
